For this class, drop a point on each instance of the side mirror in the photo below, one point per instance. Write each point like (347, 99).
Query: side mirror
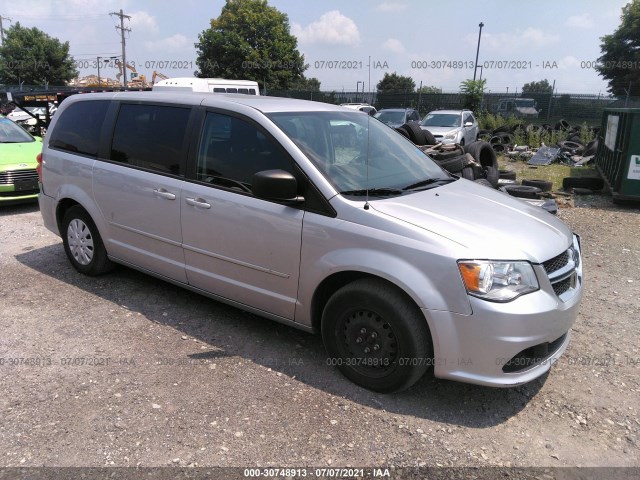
(275, 185)
(468, 124)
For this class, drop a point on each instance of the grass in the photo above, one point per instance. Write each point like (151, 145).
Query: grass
(554, 172)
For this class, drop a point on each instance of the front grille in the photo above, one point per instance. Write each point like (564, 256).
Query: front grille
(556, 263)
(532, 356)
(562, 286)
(9, 178)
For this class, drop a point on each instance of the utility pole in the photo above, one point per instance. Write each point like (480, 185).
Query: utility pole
(123, 30)
(477, 51)
(2, 29)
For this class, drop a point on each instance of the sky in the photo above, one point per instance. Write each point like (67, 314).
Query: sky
(349, 45)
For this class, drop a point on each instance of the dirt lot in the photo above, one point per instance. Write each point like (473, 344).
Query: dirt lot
(126, 370)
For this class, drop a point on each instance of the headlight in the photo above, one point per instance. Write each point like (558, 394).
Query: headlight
(451, 136)
(497, 281)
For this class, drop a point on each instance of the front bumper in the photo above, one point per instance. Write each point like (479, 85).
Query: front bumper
(506, 344)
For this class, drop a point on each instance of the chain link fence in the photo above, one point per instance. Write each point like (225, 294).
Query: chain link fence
(574, 108)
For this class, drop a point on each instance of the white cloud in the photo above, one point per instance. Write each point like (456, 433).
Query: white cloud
(580, 21)
(527, 39)
(393, 45)
(332, 28)
(169, 44)
(391, 7)
(143, 21)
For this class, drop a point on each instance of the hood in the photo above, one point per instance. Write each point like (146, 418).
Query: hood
(485, 223)
(441, 130)
(17, 156)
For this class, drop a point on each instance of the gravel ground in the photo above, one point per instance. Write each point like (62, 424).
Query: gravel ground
(127, 370)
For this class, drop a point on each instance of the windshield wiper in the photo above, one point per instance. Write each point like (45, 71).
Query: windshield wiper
(374, 192)
(428, 181)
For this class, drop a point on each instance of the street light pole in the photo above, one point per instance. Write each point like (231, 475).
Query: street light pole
(477, 51)
(99, 70)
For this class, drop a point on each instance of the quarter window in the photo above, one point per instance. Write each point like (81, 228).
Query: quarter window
(78, 128)
(151, 137)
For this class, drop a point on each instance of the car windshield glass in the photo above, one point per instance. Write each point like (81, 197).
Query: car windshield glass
(12, 133)
(355, 152)
(441, 120)
(390, 117)
(524, 103)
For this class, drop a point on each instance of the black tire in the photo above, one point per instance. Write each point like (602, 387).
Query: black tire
(563, 125)
(485, 182)
(404, 132)
(492, 175)
(415, 133)
(483, 153)
(506, 138)
(431, 140)
(501, 129)
(517, 126)
(522, 191)
(571, 147)
(83, 244)
(484, 132)
(531, 128)
(452, 165)
(467, 172)
(378, 314)
(444, 154)
(543, 185)
(592, 183)
(575, 139)
(591, 148)
(498, 148)
(507, 174)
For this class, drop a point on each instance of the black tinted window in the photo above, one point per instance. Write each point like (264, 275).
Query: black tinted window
(232, 150)
(151, 136)
(78, 128)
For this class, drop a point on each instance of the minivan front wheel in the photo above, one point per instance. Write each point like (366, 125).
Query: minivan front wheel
(376, 336)
(83, 244)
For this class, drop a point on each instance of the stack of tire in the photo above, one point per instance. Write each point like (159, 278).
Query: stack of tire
(416, 134)
(530, 189)
(502, 138)
(476, 162)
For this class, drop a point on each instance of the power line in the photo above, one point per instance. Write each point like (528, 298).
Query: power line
(123, 30)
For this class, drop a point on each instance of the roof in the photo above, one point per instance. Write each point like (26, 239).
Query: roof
(264, 104)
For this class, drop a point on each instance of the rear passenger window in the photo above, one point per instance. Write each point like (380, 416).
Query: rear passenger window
(151, 137)
(78, 128)
(232, 150)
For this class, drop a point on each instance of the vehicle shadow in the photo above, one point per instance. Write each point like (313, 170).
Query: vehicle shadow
(16, 208)
(229, 331)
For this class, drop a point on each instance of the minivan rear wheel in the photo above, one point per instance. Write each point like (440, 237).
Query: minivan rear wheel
(376, 336)
(83, 244)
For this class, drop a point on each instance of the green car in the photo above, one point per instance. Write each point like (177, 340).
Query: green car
(18, 152)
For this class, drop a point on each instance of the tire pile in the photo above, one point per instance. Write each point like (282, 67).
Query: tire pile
(502, 138)
(476, 161)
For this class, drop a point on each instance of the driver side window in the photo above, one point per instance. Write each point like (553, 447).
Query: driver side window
(232, 150)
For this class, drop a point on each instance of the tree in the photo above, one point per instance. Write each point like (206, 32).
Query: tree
(542, 86)
(31, 56)
(621, 53)
(306, 85)
(473, 91)
(394, 83)
(428, 89)
(250, 40)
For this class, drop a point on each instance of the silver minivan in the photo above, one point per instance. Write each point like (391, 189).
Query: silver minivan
(318, 217)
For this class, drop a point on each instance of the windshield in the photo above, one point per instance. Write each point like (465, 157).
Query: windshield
(390, 116)
(340, 144)
(12, 133)
(441, 120)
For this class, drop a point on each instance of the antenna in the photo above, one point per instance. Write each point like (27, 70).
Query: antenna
(366, 202)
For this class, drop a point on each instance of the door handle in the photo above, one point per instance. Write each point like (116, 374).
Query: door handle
(197, 202)
(162, 193)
